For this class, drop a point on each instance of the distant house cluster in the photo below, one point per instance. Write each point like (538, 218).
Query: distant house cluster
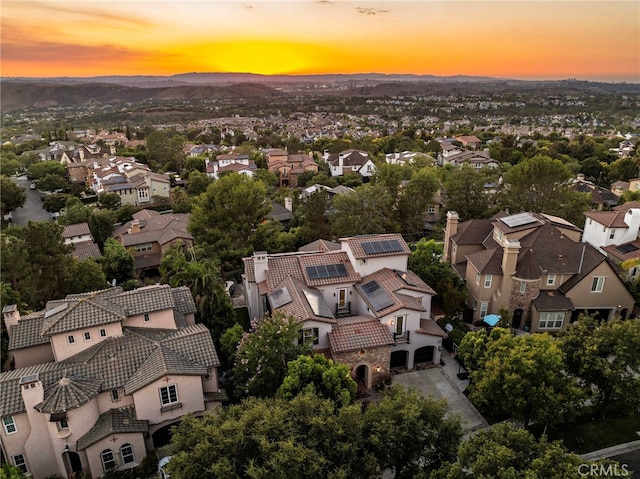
(100, 378)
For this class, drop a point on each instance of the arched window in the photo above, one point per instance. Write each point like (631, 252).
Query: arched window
(108, 460)
(126, 451)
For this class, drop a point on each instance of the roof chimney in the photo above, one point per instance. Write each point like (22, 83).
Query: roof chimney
(510, 257)
(260, 265)
(288, 203)
(450, 230)
(11, 316)
(135, 227)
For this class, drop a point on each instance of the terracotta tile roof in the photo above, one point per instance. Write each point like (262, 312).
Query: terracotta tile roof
(610, 219)
(323, 259)
(299, 306)
(79, 229)
(155, 228)
(627, 206)
(389, 281)
(359, 332)
(355, 244)
(430, 327)
(114, 421)
(28, 332)
(68, 393)
(85, 250)
(321, 246)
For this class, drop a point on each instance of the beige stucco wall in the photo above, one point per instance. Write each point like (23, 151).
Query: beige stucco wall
(211, 384)
(33, 355)
(38, 448)
(13, 444)
(147, 400)
(458, 252)
(158, 319)
(614, 292)
(93, 452)
(323, 332)
(424, 298)
(105, 403)
(62, 349)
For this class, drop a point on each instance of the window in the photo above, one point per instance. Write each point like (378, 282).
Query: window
(19, 462)
(308, 335)
(9, 425)
(169, 394)
(108, 460)
(598, 284)
(147, 318)
(71, 339)
(399, 325)
(484, 307)
(115, 396)
(62, 424)
(126, 451)
(103, 333)
(478, 277)
(551, 279)
(500, 235)
(141, 248)
(87, 335)
(523, 287)
(551, 320)
(487, 280)
(431, 209)
(612, 234)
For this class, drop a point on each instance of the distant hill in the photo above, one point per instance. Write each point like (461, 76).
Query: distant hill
(42, 94)
(17, 93)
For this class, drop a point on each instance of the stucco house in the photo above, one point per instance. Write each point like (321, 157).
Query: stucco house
(232, 162)
(535, 266)
(80, 238)
(358, 303)
(350, 161)
(150, 234)
(101, 377)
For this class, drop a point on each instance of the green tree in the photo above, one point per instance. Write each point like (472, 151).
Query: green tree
(109, 201)
(12, 196)
(414, 199)
(55, 202)
(464, 193)
(604, 356)
(198, 183)
(520, 376)
(117, 263)
(75, 212)
(623, 169)
(39, 170)
(180, 201)
(321, 376)
(86, 276)
(8, 471)
(369, 209)
(226, 215)
(182, 267)
(53, 183)
(303, 438)
(314, 219)
(229, 342)
(408, 432)
(263, 355)
(508, 452)
(426, 261)
(538, 184)
(101, 224)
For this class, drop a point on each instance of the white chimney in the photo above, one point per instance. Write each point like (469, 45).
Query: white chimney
(11, 316)
(260, 265)
(288, 203)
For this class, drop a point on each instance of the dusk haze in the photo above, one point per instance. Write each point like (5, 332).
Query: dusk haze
(529, 40)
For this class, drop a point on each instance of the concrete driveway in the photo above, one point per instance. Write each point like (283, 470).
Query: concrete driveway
(441, 382)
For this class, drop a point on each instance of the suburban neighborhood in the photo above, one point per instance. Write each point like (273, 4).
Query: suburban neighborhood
(365, 286)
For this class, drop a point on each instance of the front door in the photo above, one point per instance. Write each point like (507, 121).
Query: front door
(342, 298)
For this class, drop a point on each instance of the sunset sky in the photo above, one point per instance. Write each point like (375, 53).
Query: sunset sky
(596, 40)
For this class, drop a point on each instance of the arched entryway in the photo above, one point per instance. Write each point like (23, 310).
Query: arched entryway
(162, 436)
(72, 463)
(424, 354)
(362, 376)
(399, 359)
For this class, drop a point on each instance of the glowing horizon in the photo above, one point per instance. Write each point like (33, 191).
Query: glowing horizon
(508, 39)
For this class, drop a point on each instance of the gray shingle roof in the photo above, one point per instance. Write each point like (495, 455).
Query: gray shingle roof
(79, 229)
(85, 250)
(10, 393)
(71, 314)
(68, 393)
(28, 332)
(112, 422)
(184, 300)
(146, 300)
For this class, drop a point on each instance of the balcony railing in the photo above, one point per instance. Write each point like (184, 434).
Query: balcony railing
(401, 337)
(343, 309)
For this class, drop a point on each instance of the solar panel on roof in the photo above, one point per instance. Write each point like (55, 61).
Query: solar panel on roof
(324, 271)
(279, 297)
(382, 246)
(626, 248)
(518, 220)
(56, 310)
(376, 296)
(317, 303)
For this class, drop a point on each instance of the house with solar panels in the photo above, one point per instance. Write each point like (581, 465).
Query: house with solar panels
(101, 377)
(357, 303)
(536, 267)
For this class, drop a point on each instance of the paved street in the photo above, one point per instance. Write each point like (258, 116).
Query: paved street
(442, 382)
(32, 209)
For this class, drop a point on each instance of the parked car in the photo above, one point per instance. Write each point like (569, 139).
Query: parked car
(32, 186)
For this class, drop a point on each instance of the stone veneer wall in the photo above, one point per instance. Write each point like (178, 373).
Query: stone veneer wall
(371, 358)
(523, 301)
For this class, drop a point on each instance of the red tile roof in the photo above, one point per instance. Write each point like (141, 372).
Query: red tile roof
(359, 332)
(355, 244)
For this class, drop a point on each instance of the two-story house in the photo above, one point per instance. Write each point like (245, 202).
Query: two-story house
(150, 234)
(359, 304)
(288, 166)
(230, 162)
(350, 161)
(535, 266)
(80, 237)
(101, 377)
